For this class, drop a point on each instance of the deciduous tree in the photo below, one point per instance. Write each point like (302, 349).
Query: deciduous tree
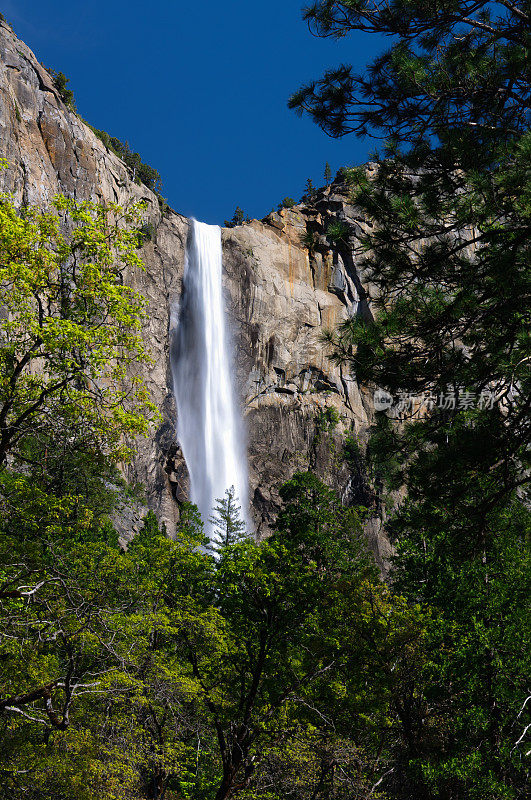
(71, 325)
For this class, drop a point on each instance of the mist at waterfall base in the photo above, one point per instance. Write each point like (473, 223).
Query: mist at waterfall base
(209, 421)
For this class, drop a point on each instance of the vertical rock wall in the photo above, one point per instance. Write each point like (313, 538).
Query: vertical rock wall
(281, 297)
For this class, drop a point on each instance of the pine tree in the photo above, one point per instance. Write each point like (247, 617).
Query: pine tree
(238, 218)
(449, 249)
(310, 190)
(227, 522)
(448, 253)
(327, 174)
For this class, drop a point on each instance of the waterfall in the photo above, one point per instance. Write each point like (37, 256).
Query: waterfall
(209, 425)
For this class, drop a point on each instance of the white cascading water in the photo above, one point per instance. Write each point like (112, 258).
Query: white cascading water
(209, 425)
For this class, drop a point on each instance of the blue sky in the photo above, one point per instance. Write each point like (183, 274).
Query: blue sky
(199, 89)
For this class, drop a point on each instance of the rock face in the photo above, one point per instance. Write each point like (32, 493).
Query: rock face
(286, 279)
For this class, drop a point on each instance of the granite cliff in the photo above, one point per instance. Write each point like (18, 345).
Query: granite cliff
(286, 278)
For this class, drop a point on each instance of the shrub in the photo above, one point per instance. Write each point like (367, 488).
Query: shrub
(337, 231)
(288, 202)
(351, 451)
(60, 81)
(326, 420)
(309, 240)
(146, 233)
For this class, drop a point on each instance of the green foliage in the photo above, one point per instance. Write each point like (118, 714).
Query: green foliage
(162, 670)
(448, 254)
(476, 682)
(141, 173)
(288, 202)
(147, 233)
(163, 204)
(281, 605)
(227, 522)
(309, 240)
(60, 81)
(351, 450)
(327, 419)
(287, 668)
(440, 77)
(310, 191)
(337, 231)
(238, 218)
(71, 326)
(150, 528)
(327, 174)
(88, 689)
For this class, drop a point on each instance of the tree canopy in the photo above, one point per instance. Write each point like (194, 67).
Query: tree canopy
(447, 256)
(71, 326)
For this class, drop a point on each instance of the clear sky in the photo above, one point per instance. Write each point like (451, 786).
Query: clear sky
(199, 89)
